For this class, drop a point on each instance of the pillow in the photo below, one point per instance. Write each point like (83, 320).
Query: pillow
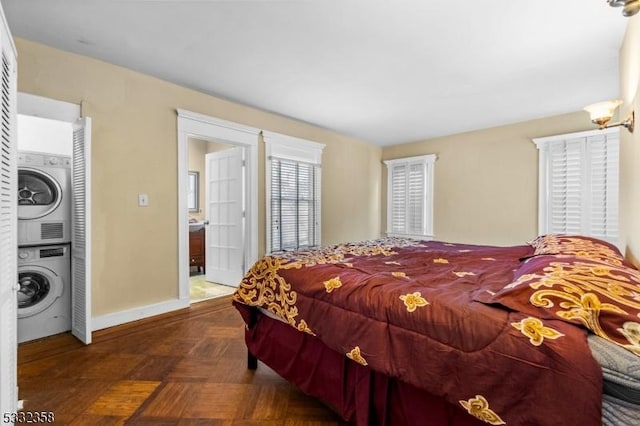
(603, 297)
(579, 246)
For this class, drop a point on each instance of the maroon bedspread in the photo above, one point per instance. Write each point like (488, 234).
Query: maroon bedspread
(358, 394)
(406, 309)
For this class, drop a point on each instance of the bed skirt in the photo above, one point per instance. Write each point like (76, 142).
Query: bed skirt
(356, 393)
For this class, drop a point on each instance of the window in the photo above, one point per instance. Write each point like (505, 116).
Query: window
(578, 184)
(293, 192)
(410, 196)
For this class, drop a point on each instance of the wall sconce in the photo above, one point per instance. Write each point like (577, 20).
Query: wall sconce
(630, 7)
(602, 112)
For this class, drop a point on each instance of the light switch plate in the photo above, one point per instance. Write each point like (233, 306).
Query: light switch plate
(143, 200)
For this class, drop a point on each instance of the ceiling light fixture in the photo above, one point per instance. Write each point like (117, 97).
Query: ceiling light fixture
(602, 112)
(630, 7)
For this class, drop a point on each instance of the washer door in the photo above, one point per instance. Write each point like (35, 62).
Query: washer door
(38, 193)
(39, 288)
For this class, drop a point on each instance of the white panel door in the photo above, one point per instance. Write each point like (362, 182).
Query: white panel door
(224, 250)
(81, 232)
(8, 224)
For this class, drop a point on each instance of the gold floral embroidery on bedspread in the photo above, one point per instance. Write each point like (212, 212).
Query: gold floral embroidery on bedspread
(413, 301)
(580, 247)
(342, 252)
(263, 286)
(578, 288)
(332, 284)
(535, 330)
(478, 407)
(356, 355)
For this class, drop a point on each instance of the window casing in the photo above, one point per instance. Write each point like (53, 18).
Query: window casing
(578, 184)
(410, 196)
(293, 190)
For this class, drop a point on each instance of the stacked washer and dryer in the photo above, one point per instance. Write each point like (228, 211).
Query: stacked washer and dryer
(44, 244)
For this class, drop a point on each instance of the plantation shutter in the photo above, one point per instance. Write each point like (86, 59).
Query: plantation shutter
(295, 205)
(579, 184)
(416, 198)
(604, 182)
(409, 196)
(399, 175)
(293, 190)
(8, 223)
(566, 168)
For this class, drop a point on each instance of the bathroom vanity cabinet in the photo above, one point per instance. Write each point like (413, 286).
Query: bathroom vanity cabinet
(196, 249)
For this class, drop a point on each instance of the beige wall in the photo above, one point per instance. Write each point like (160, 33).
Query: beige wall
(486, 181)
(351, 185)
(135, 150)
(630, 143)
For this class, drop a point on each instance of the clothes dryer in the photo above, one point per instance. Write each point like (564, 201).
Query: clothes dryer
(44, 198)
(44, 297)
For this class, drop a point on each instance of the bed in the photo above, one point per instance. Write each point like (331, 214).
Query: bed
(399, 331)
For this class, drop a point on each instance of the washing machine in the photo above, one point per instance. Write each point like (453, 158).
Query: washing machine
(44, 198)
(44, 298)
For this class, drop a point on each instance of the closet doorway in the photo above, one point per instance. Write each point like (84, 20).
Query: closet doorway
(33, 109)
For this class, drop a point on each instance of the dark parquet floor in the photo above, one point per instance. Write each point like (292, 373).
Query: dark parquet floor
(182, 368)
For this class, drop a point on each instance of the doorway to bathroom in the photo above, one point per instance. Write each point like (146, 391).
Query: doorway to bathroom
(216, 223)
(217, 208)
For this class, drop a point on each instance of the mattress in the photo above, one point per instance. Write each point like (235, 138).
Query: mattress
(621, 382)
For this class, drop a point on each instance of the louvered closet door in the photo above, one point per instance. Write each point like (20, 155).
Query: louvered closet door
(81, 232)
(8, 223)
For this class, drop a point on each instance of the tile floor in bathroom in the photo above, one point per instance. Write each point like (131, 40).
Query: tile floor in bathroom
(200, 289)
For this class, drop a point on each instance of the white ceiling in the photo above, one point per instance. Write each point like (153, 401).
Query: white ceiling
(383, 71)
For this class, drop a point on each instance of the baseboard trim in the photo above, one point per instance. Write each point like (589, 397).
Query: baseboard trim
(135, 314)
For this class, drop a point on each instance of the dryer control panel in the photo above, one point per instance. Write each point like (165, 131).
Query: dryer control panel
(29, 158)
(42, 252)
(24, 254)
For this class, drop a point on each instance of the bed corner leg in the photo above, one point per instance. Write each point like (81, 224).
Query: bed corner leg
(252, 361)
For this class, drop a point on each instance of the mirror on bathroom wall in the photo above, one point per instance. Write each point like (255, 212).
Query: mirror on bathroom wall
(193, 202)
